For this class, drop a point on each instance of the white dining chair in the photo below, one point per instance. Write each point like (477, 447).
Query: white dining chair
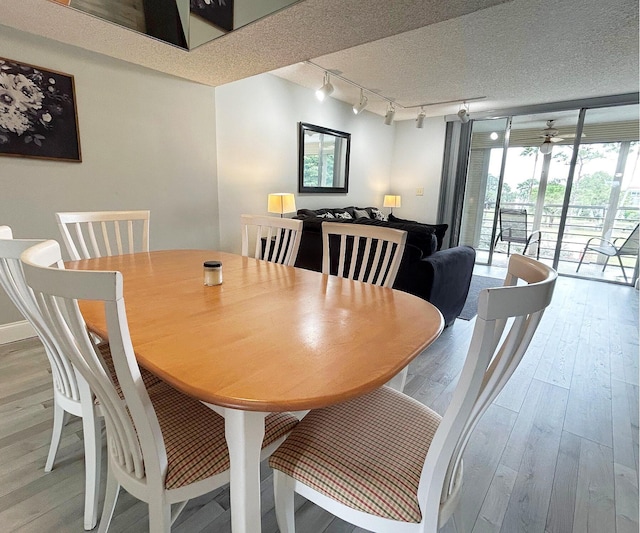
(276, 239)
(92, 234)
(71, 393)
(364, 253)
(164, 447)
(386, 463)
(370, 254)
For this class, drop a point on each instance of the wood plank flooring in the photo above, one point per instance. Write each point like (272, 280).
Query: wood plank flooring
(557, 452)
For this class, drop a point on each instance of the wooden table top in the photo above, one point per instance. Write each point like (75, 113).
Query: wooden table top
(271, 337)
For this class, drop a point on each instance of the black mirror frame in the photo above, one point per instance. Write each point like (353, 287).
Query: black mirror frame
(302, 127)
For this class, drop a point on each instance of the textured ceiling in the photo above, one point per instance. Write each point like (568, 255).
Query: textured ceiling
(413, 51)
(518, 53)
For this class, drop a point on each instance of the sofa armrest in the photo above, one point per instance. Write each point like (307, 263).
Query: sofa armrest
(442, 278)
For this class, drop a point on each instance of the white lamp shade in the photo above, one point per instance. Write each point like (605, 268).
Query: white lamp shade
(546, 147)
(281, 202)
(392, 200)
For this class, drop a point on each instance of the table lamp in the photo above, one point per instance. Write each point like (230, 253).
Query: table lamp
(391, 200)
(281, 202)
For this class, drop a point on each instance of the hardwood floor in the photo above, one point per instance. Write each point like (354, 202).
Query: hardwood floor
(556, 452)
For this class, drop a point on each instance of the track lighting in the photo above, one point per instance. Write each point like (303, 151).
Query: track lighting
(463, 114)
(420, 118)
(391, 111)
(326, 88)
(359, 107)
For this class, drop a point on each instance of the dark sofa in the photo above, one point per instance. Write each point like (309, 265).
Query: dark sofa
(441, 277)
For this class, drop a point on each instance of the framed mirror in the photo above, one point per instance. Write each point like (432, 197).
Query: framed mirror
(323, 159)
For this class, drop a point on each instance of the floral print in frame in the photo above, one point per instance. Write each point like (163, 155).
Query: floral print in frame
(38, 115)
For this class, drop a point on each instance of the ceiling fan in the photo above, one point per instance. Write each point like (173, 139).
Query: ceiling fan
(550, 134)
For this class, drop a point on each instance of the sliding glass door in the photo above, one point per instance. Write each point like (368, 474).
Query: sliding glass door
(603, 205)
(574, 175)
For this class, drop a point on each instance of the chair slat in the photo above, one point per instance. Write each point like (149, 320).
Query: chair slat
(94, 242)
(280, 238)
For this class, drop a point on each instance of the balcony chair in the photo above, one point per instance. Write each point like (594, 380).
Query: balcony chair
(628, 248)
(164, 446)
(276, 239)
(370, 254)
(103, 233)
(386, 463)
(513, 228)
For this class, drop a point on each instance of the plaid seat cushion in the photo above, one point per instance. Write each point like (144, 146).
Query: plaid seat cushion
(194, 435)
(366, 453)
(148, 378)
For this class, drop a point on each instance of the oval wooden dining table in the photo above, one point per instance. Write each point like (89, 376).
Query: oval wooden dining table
(269, 338)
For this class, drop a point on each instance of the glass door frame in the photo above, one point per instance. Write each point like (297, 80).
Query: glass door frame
(456, 157)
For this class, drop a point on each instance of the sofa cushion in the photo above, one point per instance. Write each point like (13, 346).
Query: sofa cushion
(310, 213)
(438, 229)
(418, 235)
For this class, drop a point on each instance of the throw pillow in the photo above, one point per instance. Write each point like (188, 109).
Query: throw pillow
(378, 215)
(325, 215)
(438, 229)
(361, 213)
(344, 215)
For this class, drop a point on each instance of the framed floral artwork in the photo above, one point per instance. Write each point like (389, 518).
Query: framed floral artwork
(218, 12)
(38, 115)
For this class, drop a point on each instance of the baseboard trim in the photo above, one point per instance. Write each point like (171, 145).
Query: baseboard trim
(16, 331)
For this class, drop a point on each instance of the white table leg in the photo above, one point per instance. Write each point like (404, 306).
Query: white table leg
(244, 431)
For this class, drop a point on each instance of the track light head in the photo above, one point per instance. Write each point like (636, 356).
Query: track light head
(326, 88)
(388, 118)
(463, 114)
(420, 118)
(359, 107)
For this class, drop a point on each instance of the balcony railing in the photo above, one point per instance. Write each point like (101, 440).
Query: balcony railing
(583, 222)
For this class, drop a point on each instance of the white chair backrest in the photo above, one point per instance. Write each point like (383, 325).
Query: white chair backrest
(103, 233)
(507, 319)
(366, 253)
(135, 441)
(276, 239)
(631, 243)
(12, 281)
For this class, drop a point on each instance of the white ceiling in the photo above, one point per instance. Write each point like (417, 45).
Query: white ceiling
(515, 53)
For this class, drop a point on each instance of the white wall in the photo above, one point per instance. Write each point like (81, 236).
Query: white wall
(148, 142)
(199, 158)
(257, 128)
(417, 162)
